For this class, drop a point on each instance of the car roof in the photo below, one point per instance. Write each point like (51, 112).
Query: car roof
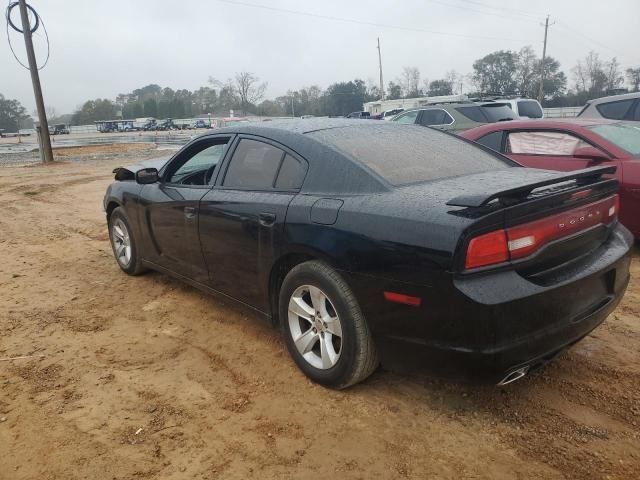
(614, 98)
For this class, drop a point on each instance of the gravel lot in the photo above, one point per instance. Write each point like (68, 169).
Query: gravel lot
(144, 377)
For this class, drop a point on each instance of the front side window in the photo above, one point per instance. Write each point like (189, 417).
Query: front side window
(253, 165)
(614, 110)
(198, 164)
(543, 143)
(409, 117)
(435, 117)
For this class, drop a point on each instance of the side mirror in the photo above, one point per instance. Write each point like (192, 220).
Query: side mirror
(147, 176)
(591, 153)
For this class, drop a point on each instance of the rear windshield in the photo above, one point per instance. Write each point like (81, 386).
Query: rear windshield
(529, 108)
(624, 135)
(410, 154)
(490, 113)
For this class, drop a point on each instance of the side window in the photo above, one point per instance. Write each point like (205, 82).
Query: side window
(492, 140)
(636, 114)
(291, 175)
(409, 117)
(199, 164)
(543, 143)
(253, 165)
(435, 117)
(614, 110)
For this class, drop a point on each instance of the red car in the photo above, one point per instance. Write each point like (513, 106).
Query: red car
(572, 144)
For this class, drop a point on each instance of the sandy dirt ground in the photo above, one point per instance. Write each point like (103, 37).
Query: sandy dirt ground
(143, 377)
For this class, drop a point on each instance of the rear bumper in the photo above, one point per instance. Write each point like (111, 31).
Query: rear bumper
(482, 328)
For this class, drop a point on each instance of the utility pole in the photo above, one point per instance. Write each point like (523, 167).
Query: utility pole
(380, 65)
(293, 112)
(47, 154)
(544, 55)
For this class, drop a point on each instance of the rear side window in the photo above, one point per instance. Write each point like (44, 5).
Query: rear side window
(544, 143)
(435, 117)
(406, 155)
(492, 140)
(253, 165)
(529, 108)
(614, 110)
(636, 114)
(291, 174)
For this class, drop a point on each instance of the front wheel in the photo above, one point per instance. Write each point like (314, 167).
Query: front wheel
(123, 243)
(324, 328)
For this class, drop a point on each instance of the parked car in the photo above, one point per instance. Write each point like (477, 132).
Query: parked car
(441, 257)
(201, 124)
(59, 129)
(457, 117)
(362, 115)
(166, 125)
(388, 115)
(523, 107)
(572, 144)
(617, 107)
(231, 122)
(150, 126)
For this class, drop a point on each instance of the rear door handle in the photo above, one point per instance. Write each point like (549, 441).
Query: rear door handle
(189, 212)
(267, 219)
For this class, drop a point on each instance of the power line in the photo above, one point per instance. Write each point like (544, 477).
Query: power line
(363, 22)
(493, 14)
(501, 8)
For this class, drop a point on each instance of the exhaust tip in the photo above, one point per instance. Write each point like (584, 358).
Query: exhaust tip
(514, 375)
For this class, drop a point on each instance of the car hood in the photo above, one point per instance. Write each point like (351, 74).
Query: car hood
(129, 172)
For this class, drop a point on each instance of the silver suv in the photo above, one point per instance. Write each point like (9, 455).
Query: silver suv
(616, 107)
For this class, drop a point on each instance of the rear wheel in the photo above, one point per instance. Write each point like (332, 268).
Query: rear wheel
(123, 243)
(325, 331)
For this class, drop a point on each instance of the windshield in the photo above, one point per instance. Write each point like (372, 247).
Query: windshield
(497, 112)
(405, 154)
(623, 135)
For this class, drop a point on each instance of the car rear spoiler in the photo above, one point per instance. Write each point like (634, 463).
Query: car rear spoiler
(584, 176)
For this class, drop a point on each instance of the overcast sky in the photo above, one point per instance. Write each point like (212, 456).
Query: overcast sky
(100, 49)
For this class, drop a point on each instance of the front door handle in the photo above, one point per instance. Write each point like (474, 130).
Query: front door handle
(189, 212)
(267, 219)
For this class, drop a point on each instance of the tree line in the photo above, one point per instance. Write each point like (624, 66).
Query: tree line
(503, 72)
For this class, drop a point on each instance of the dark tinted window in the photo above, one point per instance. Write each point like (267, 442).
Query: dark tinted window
(636, 115)
(407, 155)
(529, 108)
(435, 117)
(473, 113)
(291, 174)
(492, 140)
(614, 110)
(497, 112)
(253, 165)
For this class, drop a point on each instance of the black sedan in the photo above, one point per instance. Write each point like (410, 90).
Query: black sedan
(371, 242)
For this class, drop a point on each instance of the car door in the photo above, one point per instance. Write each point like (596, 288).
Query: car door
(241, 220)
(170, 208)
(548, 149)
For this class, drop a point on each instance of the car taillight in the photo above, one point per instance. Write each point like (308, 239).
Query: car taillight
(523, 240)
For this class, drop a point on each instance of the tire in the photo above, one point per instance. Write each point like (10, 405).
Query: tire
(335, 348)
(123, 243)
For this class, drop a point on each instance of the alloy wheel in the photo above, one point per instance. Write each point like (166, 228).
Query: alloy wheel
(121, 242)
(315, 327)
